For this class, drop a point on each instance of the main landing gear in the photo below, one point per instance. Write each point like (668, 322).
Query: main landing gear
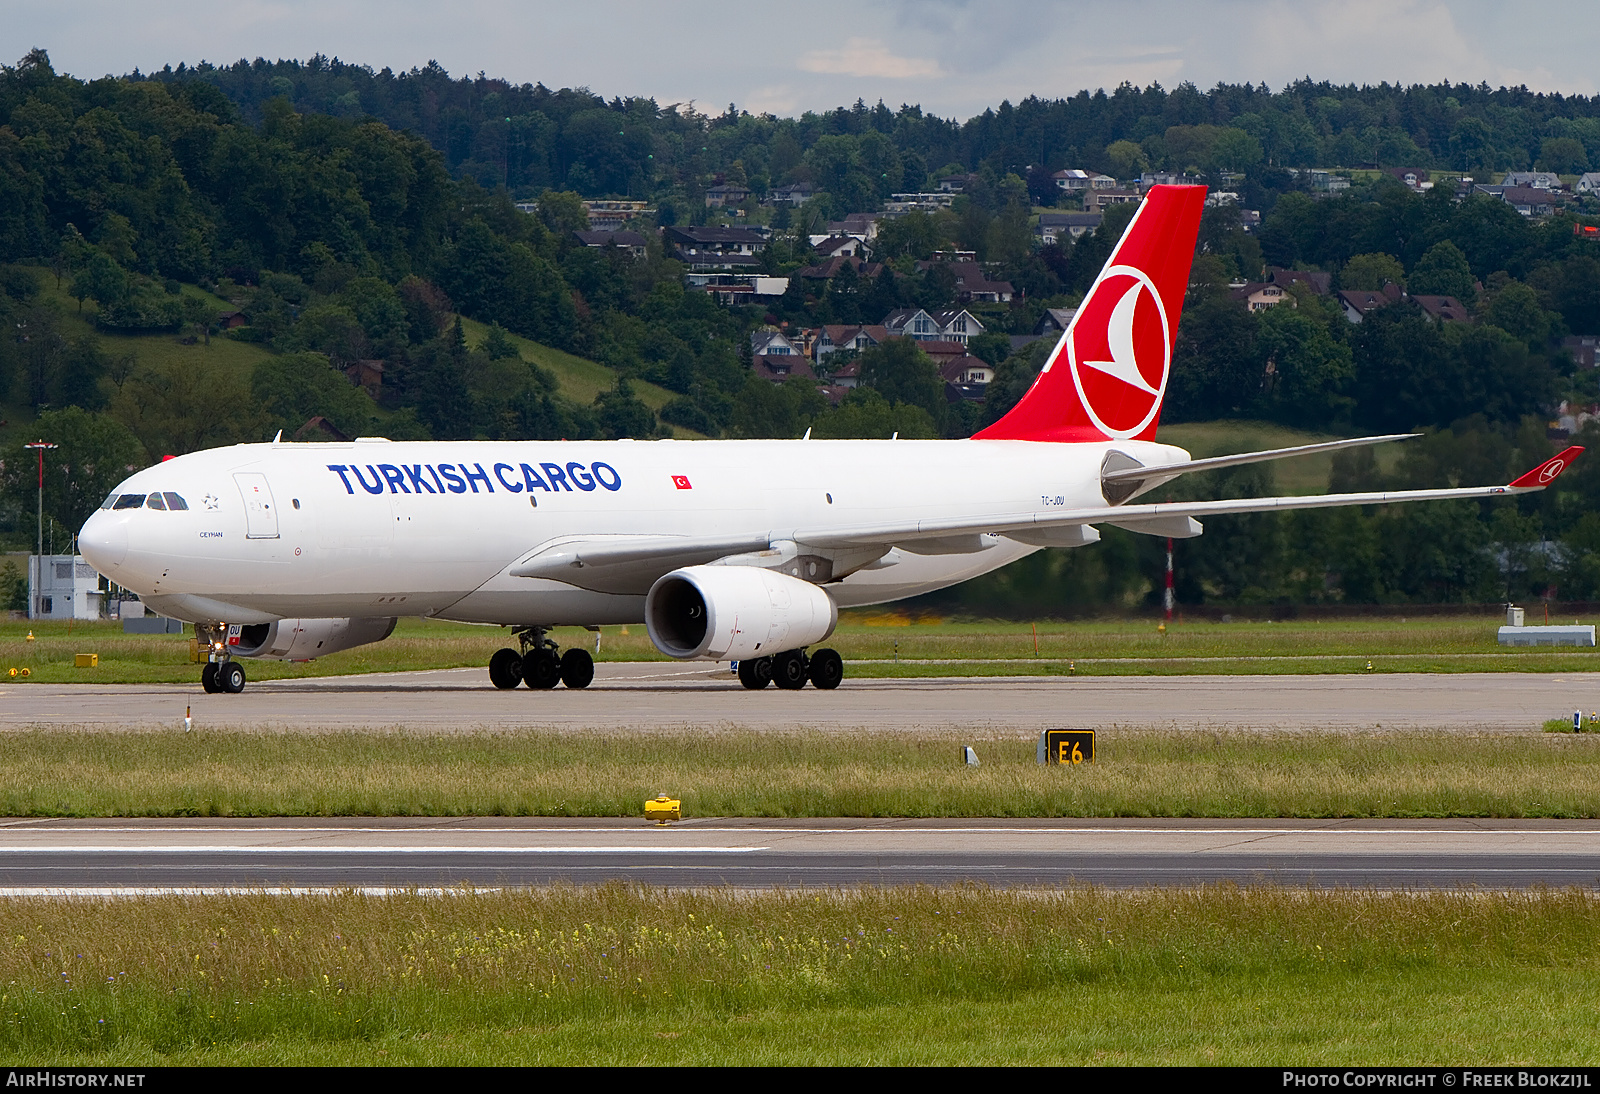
(791, 669)
(540, 664)
(221, 673)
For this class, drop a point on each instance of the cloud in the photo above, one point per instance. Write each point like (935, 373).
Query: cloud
(868, 57)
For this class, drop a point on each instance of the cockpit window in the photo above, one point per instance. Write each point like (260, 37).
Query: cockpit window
(110, 500)
(155, 501)
(129, 501)
(174, 501)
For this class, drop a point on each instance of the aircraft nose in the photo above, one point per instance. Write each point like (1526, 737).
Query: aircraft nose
(104, 541)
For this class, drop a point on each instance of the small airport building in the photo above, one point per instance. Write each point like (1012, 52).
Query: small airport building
(67, 588)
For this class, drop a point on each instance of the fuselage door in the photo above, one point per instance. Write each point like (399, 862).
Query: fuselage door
(261, 514)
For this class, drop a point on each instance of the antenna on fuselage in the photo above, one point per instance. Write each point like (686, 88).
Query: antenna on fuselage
(279, 438)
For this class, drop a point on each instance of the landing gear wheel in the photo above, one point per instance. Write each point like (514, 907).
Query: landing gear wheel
(827, 669)
(789, 670)
(755, 673)
(505, 668)
(208, 678)
(577, 668)
(541, 669)
(230, 677)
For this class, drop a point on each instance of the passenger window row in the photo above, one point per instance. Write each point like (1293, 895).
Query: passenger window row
(165, 499)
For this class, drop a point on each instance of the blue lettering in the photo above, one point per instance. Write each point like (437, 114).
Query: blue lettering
(457, 485)
(377, 479)
(531, 478)
(397, 481)
(414, 473)
(481, 476)
(557, 477)
(584, 480)
(340, 469)
(435, 475)
(614, 485)
(514, 487)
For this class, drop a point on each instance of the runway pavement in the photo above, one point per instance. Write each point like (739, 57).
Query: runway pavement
(655, 696)
(108, 857)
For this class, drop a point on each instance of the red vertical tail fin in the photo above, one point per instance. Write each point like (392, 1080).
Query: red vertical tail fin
(1108, 374)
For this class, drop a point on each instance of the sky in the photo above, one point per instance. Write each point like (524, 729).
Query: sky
(953, 57)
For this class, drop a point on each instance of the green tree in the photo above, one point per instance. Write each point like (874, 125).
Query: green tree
(1563, 155)
(293, 388)
(865, 413)
(1372, 272)
(1126, 159)
(96, 452)
(620, 413)
(902, 373)
(1308, 371)
(1443, 271)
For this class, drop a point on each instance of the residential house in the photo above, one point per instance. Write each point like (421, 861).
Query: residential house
(726, 195)
(1534, 180)
(864, 226)
(1074, 180)
(736, 288)
(792, 193)
(901, 204)
(829, 267)
(780, 368)
(632, 242)
(1414, 177)
(1525, 199)
(954, 184)
(716, 248)
(835, 337)
(772, 343)
(609, 214)
(1582, 347)
(1098, 201)
(320, 429)
(1358, 302)
(973, 285)
(1168, 178)
(366, 374)
(1052, 226)
(840, 247)
(1261, 295)
(1444, 309)
(1318, 281)
(965, 378)
(229, 320)
(1588, 183)
(946, 325)
(1054, 321)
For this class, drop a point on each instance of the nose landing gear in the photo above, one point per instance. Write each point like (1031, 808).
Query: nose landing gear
(540, 664)
(221, 673)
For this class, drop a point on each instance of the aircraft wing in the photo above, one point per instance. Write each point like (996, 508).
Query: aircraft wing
(1537, 479)
(631, 564)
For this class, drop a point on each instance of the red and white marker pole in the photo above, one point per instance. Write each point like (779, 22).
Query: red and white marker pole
(1167, 599)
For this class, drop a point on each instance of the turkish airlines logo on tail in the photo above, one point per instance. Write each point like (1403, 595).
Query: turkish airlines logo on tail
(1120, 352)
(1549, 471)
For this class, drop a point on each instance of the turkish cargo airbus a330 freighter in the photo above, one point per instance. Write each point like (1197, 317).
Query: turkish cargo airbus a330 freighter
(727, 550)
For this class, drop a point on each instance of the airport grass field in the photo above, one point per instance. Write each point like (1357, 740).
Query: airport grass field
(81, 772)
(875, 643)
(616, 975)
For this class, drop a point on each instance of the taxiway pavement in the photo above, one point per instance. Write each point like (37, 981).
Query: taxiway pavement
(87, 857)
(659, 696)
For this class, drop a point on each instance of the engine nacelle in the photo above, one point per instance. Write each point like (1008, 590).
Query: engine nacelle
(303, 639)
(728, 613)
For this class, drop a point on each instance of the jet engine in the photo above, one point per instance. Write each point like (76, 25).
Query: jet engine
(729, 613)
(303, 639)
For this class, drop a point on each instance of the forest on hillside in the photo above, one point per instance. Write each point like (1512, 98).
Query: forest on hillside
(350, 215)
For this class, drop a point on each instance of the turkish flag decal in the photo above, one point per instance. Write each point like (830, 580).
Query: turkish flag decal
(681, 482)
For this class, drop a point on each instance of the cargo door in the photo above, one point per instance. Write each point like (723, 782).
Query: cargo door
(260, 513)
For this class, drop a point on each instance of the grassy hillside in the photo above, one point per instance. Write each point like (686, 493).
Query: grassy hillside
(579, 379)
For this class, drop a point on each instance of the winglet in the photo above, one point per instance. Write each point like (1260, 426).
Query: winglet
(1545, 474)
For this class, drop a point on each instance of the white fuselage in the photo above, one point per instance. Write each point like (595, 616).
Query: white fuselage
(379, 528)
